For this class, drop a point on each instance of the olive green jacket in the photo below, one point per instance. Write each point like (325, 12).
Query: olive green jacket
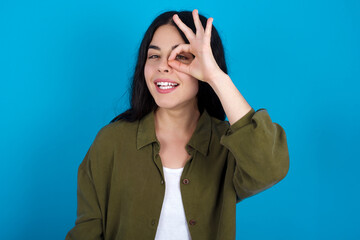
(121, 183)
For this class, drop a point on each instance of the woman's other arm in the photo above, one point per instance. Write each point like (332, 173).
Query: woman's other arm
(88, 224)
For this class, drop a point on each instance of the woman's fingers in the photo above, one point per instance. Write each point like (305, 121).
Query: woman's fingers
(180, 58)
(198, 25)
(197, 22)
(179, 66)
(185, 29)
(208, 27)
(195, 58)
(179, 49)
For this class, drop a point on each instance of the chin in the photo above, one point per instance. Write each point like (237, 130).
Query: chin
(165, 104)
(173, 105)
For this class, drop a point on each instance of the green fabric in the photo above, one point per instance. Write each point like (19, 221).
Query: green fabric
(121, 182)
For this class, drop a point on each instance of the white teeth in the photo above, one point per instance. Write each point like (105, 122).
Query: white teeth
(166, 87)
(166, 84)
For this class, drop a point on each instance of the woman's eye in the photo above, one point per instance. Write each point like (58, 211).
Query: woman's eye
(181, 57)
(153, 56)
(184, 58)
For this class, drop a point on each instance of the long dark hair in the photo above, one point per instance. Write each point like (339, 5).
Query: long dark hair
(141, 100)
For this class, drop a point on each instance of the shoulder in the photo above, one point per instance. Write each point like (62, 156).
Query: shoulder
(114, 135)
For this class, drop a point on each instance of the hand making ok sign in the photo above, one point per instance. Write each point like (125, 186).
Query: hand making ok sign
(204, 66)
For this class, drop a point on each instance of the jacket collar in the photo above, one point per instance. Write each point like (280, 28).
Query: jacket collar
(200, 139)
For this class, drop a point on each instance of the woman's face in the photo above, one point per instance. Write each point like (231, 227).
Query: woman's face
(170, 89)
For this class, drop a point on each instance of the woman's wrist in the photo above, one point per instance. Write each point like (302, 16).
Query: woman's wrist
(217, 80)
(234, 104)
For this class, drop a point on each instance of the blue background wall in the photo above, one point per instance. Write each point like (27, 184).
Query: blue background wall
(65, 69)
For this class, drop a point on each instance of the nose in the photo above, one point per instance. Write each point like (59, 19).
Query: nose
(164, 66)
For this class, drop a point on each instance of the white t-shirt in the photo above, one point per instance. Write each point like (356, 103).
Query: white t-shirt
(172, 222)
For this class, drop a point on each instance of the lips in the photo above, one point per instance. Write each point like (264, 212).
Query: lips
(165, 85)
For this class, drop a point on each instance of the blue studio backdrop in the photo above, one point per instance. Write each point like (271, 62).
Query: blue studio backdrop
(64, 72)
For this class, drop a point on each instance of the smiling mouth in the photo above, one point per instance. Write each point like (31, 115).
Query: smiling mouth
(166, 85)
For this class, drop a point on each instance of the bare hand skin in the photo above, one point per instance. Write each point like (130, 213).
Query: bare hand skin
(205, 68)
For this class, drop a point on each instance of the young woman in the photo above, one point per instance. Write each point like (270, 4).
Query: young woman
(170, 167)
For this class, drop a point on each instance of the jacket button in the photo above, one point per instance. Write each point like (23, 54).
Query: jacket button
(153, 222)
(186, 181)
(192, 222)
(162, 181)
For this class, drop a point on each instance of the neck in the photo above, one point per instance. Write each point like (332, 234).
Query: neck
(177, 122)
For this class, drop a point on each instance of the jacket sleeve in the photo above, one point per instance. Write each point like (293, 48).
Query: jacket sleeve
(88, 224)
(259, 148)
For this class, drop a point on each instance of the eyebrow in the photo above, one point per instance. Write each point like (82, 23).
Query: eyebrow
(158, 48)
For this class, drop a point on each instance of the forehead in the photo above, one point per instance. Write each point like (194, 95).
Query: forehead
(166, 36)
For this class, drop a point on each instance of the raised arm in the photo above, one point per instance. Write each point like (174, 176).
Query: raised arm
(205, 68)
(256, 144)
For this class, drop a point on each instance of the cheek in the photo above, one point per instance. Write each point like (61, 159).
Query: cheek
(147, 75)
(195, 86)
(191, 82)
(147, 72)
